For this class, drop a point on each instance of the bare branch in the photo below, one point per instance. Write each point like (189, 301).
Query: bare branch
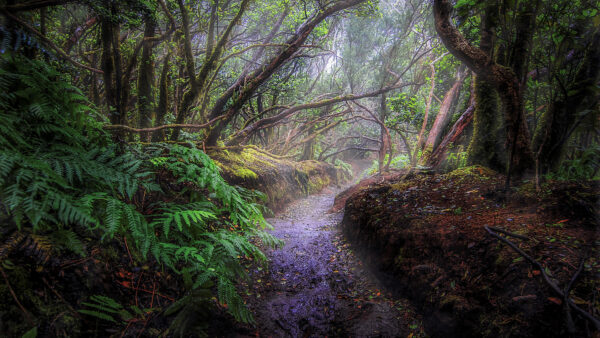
(49, 43)
(167, 126)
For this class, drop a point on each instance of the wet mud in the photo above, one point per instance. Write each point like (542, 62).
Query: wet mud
(315, 286)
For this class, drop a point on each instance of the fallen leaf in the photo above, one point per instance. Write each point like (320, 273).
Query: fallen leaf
(555, 300)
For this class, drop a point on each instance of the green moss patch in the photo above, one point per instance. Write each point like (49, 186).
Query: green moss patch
(279, 178)
(474, 171)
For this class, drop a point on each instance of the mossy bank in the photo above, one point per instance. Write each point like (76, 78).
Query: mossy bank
(425, 236)
(281, 179)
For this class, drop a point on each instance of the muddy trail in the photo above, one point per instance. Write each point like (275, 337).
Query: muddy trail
(316, 286)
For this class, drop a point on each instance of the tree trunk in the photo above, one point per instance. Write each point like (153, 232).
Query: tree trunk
(112, 82)
(246, 86)
(414, 158)
(504, 79)
(163, 100)
(483, 149)
(561, 116)
(146, 81)
(458, 128)
(198, 81)
(443, 117)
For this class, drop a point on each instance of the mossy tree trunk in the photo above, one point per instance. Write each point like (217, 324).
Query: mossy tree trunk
(111, 66)
(146, 80)
(507, 81)
(163, 100)
(482, 148)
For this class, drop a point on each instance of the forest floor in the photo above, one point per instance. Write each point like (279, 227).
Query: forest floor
(425, 234)
(316, 286)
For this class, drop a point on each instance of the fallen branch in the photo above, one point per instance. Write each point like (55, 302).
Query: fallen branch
(553, 286)
(511, 234)
(570, 323)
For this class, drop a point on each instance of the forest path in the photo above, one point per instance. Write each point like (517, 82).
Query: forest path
(315, 286)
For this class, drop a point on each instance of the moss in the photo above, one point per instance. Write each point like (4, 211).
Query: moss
(276, 176)
(474, 171)
(245, 173)
(316, 183)
(401, 186)
(250, 155)
(486, 128)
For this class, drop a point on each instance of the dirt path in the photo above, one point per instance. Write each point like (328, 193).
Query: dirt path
(315, 286)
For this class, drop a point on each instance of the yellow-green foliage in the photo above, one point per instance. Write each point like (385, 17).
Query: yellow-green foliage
(474, 171)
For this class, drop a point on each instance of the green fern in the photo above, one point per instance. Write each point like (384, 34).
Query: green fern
(62, 175)
(68, 240)
(106, 308)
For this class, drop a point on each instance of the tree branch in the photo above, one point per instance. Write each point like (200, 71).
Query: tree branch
(48, 42)
(167, 126)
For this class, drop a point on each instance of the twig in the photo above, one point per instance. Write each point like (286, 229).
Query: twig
(153, 294)
(12, 292)
(144, 327)
(128, 252)
(137, 288)
(511, 234)
(570, 323)
(552, 285)
(60, 297)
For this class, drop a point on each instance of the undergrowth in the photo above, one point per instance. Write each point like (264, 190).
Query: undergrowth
(62, 177)
(581, 168)
(398, 162)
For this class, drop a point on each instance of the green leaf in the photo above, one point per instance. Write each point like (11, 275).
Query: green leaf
(97, 314)
(31, 333)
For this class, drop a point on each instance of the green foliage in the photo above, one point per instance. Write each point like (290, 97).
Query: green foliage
(406, 109)
(60, 174)
(104, 308)
(48, 175)
(584, 167)
(108, 309)
(345, 167)
(456, 159)
(398, 162)
(68, 240)
(31, 333)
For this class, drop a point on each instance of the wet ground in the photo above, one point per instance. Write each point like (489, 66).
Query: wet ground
(315, 286)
